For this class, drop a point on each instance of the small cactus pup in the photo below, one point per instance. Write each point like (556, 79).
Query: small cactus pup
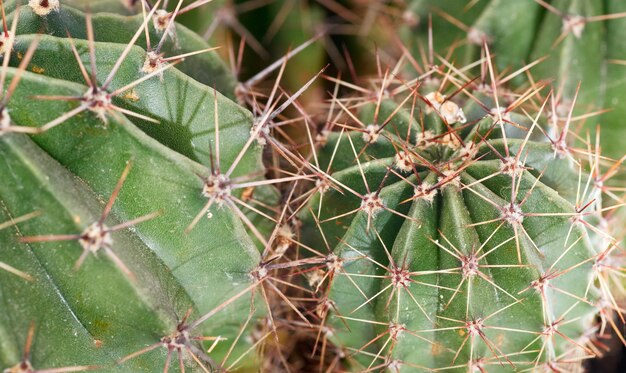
(467, 226)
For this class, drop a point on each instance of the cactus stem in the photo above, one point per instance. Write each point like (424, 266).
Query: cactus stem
(470, 267)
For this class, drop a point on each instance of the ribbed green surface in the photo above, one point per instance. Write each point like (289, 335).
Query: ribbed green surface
(97, 315)
(433, 238)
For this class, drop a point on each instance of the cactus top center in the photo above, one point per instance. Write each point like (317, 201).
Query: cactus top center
(447, 109)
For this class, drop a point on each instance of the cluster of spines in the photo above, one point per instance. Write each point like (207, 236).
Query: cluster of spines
(590, 189)
(591, 186)
(549, 116)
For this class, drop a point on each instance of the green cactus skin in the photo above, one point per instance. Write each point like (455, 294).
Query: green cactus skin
(96, 315)
(110, 27)
(174, 271)
(181, 127)
(615, 95)
(471, 253)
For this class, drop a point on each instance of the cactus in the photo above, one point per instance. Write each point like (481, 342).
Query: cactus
(454, 212)
(465, 224)
(134, 241)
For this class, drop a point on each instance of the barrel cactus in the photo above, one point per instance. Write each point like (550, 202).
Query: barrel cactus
(466, 223)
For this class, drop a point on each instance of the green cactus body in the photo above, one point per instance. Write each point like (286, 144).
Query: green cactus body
(467, 28)
(174, 272)
(460, 243)
(159, 287)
